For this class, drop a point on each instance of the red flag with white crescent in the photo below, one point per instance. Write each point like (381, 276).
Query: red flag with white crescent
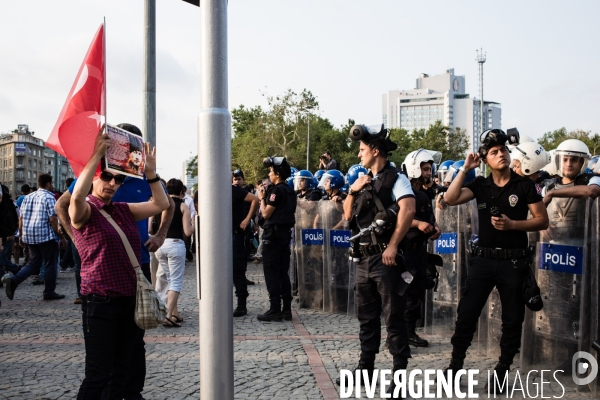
(75, 131)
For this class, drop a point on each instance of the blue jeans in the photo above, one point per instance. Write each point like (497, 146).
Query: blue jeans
(39, 253)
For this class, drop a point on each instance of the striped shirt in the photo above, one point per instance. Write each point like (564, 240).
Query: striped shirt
(105, 266)
(36, 210)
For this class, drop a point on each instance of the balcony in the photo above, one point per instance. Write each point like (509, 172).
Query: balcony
(19, 166)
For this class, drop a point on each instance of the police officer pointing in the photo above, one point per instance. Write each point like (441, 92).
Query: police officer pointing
(384, 194)
(500, 256)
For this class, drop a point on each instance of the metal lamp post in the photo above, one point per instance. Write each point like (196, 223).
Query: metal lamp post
(214, 155)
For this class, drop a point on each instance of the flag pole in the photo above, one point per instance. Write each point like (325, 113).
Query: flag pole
(104, 57)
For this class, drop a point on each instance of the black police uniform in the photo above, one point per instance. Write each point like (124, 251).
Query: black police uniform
(499, 260)
(380, 287)
(276, 245)
(415, 252)
(238, 213)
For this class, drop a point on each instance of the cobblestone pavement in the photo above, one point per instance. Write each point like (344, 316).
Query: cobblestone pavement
(42, 352)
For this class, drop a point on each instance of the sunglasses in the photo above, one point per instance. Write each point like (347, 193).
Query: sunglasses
(107, 177)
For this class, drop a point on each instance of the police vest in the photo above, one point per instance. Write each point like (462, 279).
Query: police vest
(424, 212)
(566, 216)
(374, 198)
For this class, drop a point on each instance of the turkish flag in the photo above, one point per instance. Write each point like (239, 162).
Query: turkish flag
(79, 121)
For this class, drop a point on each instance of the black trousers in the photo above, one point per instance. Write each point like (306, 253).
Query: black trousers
(376, 291)
(276, 263)
(416, 291)
(109, 332)
(485, 274)
(239, 268)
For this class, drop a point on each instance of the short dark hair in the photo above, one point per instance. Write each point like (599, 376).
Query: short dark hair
(44, 179)
(25, 189)
(328, 153)
(68, 182)
(175, 186)
(283, 170)
(131, 129)
(238, 173)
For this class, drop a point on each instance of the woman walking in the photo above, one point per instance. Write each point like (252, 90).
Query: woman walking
(171, 255)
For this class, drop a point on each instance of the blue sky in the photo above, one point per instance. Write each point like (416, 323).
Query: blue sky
(542, 59)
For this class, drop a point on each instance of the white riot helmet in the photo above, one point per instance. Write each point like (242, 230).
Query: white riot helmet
(412, 162)
(532, 157)
(551, 167)
(568, 154)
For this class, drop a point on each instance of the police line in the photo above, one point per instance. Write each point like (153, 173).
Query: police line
(565, 265)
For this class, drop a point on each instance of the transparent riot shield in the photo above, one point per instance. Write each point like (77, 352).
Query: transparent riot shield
(440, 309)
(309, 240)
(556, 333)
(351, 299)
(336, 268)
(593, 285)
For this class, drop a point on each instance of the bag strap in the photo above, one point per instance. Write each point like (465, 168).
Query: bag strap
(130, 253)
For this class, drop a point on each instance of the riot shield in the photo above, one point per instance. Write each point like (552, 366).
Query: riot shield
(593, 285)
(336, 268)
(441, 305)
(351, 299)
(309, 240)
(556, 332)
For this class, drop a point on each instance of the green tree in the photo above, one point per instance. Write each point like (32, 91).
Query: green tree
(452, 143)
(551, 140)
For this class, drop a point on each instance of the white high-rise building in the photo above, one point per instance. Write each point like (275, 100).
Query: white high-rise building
(441, 97)
(187, 179)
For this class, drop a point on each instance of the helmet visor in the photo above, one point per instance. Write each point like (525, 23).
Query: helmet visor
(301, 183)
(569, 164)
(324, 183)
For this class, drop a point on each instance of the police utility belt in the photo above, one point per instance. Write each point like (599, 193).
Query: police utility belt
(370, 249)
(498, 253)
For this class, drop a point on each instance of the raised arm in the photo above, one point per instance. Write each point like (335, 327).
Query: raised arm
(79, 209)
(456, 194)
(159, 201)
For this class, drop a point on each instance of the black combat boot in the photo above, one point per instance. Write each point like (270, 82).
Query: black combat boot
(499, 385)
(368, 364)
(240, 310)
(456, 364)
(416, 340)
(413, 338)
(392, 387)
(270, 315)
(286, 312)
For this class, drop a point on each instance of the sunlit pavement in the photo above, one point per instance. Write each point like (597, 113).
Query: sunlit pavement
(42, 351)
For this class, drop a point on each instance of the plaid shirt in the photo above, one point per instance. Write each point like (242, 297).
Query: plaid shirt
(36, 210)
(105, 266)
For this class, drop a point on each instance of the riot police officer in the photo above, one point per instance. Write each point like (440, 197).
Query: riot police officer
(278, 208)
(500, 255)
(304, 186)
(418, 167)
(382, 195)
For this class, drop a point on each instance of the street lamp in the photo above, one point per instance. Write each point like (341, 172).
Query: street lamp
(308, 137)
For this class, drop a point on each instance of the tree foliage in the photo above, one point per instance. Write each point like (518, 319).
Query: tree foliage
(282, 129)
(551, 140)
